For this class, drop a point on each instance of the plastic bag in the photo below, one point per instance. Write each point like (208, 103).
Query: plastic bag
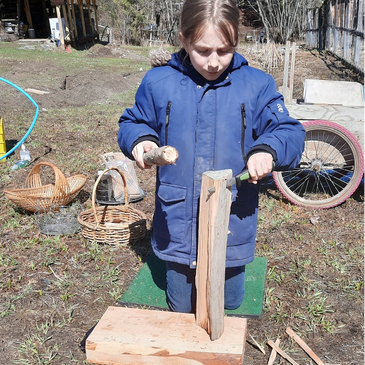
(125, 165)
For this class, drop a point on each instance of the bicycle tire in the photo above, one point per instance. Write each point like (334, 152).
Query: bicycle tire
(330, 170)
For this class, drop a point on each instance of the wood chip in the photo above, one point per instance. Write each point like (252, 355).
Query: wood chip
(273, 353)
(304, 346)
(282, 353)
(258, 346)
(34, 91)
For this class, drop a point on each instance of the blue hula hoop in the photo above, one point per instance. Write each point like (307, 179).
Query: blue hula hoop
(33, 123)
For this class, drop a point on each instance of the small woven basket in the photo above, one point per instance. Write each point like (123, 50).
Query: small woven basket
(113, 224)
(38, 197)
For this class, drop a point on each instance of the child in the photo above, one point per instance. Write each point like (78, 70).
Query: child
(218, 113)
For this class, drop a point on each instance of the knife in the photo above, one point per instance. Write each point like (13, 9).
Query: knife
(243, 175)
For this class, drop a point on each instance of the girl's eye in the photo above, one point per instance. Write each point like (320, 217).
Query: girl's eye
(202, 51)
(223, 52)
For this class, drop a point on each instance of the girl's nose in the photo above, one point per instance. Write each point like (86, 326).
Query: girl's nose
(213, 60)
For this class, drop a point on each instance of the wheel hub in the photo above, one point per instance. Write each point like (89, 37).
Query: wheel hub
(316, 165)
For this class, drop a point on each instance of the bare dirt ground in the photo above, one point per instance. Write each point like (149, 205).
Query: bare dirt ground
(54, 289)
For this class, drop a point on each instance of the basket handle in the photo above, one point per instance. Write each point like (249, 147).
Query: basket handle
(62, 188)
(97, 183)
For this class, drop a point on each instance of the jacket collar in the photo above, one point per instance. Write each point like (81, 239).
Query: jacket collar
(181, 62)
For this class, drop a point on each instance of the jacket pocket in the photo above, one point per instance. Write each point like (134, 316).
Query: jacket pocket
(169, 221)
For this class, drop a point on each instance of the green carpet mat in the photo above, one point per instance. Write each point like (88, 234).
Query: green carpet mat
(148, 288)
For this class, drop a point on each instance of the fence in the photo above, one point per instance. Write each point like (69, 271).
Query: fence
(338, 27)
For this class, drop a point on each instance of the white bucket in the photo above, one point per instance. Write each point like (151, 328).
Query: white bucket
(31, 33)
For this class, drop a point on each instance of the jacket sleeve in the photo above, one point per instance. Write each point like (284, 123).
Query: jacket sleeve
(139, 122)
(275, 128)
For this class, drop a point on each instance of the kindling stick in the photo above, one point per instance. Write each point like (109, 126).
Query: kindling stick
(273, 353)
(258, 346)
(165, 155)
(282, 353)
(304, 346)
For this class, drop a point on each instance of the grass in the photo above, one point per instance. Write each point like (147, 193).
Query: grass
(70, 63)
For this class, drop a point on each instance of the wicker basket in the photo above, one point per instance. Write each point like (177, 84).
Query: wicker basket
(37, 197)
(113, 224)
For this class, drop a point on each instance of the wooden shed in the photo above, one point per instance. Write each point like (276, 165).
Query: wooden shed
(42, 19)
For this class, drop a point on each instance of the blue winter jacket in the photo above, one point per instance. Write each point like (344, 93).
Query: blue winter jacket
(213, 126)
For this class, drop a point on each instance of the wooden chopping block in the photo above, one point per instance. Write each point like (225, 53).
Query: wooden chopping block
(129, 336)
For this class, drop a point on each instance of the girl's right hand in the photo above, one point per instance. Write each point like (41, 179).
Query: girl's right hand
(138, 151)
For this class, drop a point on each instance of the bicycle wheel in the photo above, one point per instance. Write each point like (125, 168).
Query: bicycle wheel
(330, 170)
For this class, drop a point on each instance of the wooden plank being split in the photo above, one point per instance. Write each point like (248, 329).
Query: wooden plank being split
(126, 336)
(304, 346)
(212, 244)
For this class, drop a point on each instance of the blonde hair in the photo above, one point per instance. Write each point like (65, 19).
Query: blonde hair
(222, 14)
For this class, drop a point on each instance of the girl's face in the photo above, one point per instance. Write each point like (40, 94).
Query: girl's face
(210, 55)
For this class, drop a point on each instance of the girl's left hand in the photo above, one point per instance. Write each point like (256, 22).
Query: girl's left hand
(259, 165)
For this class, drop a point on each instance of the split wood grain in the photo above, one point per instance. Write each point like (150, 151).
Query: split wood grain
(214, 212)
(304, 346)
(282, 353)
(161, 156)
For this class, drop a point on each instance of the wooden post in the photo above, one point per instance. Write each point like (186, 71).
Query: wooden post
(346, 33)
(212, 244)
(96, 17)
(28, 14)
(71, 22)
(292, 68)
(18, 15)
(89, 14)
(81, 7)
(286, 71)
(60, 25)
(74, 18)
(329, 26)
(66, 21)
(358, 41)
(335, 40)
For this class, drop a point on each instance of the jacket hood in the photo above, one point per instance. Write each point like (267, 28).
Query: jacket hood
(181, 62)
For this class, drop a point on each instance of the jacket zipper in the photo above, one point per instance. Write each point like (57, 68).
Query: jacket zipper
(243, 129)
(168, 108)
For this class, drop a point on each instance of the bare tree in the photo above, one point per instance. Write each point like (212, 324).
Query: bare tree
(282, 19)
(138, 20)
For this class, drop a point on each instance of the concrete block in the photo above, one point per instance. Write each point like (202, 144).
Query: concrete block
(333, 92)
